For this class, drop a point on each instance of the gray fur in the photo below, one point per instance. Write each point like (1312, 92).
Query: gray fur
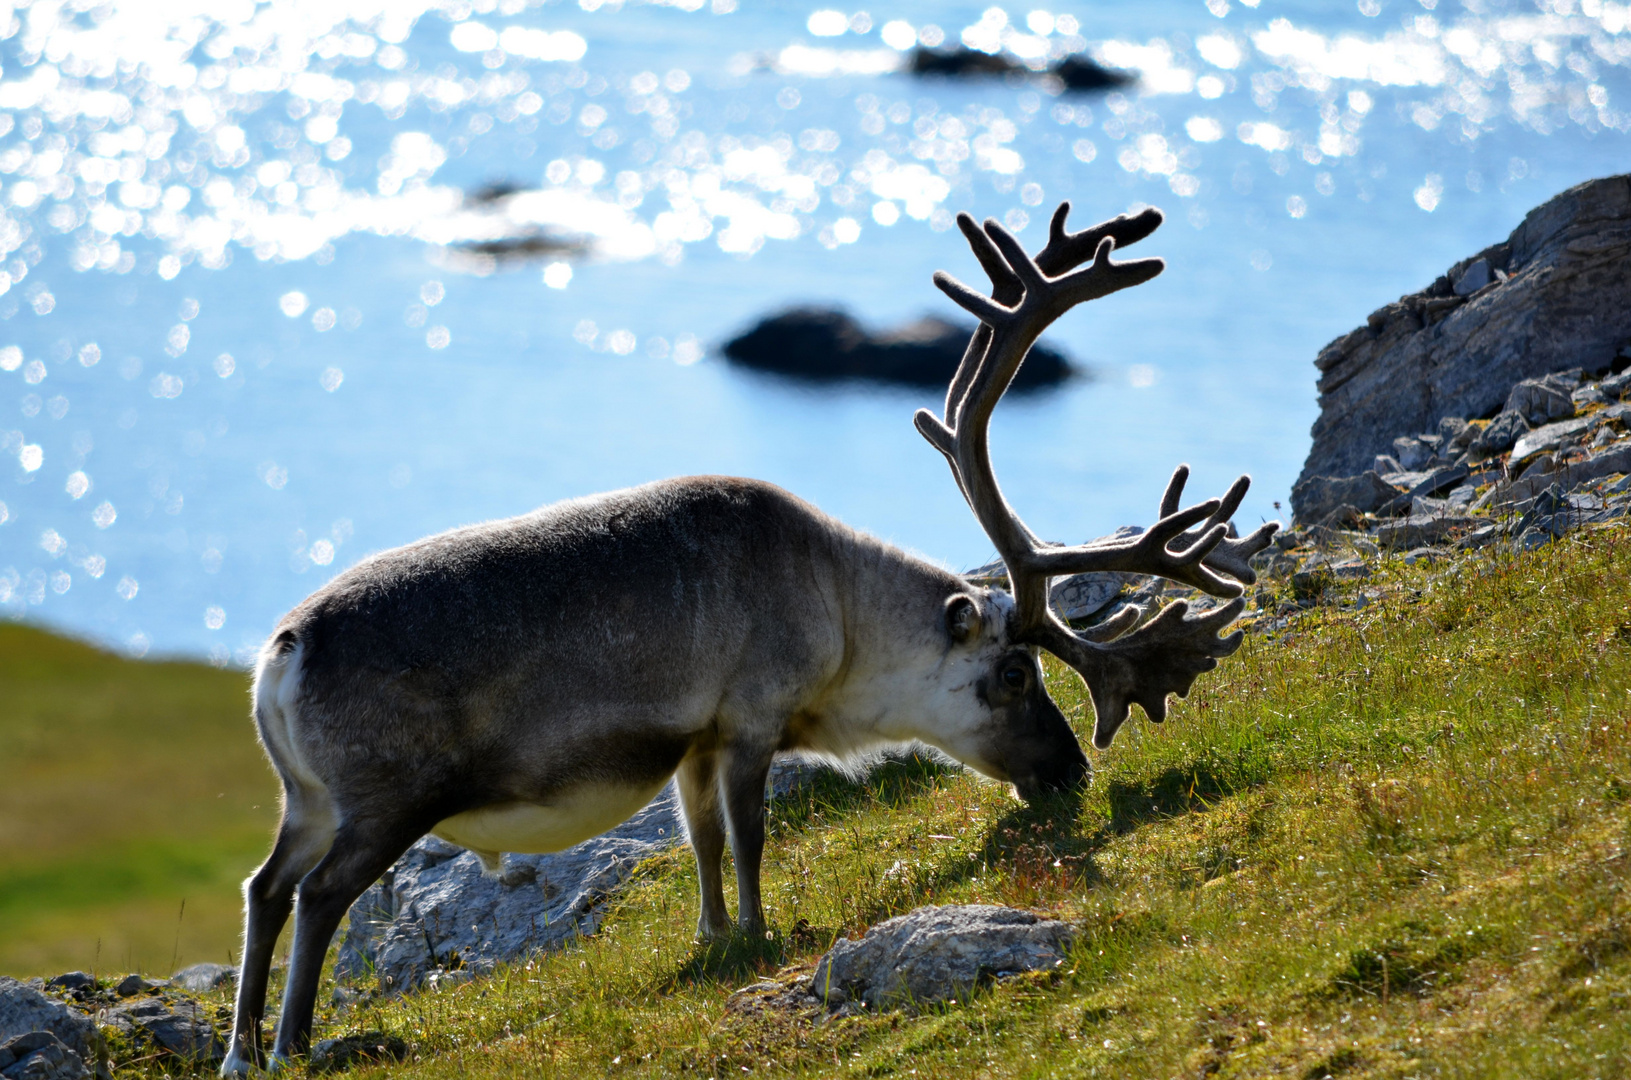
(578, 657)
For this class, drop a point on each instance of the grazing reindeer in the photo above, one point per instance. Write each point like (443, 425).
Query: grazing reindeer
(523, 685)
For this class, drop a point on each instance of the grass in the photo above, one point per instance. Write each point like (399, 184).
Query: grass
(1389, 841)
(134, 799)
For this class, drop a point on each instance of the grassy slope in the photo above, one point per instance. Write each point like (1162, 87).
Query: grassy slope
(127, 788)
(1393, 842)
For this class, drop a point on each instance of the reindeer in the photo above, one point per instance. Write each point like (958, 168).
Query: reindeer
(523, 685)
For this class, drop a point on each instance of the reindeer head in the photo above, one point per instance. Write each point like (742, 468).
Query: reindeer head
(1120, 665)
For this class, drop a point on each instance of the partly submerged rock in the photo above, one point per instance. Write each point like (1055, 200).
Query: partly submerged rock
(1556, 301)
(938, 953)
(826, 345)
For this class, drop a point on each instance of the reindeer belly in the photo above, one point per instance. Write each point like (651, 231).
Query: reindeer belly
(537, 829)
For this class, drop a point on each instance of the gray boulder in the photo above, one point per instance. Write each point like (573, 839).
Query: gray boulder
(201, 978)
(938, 953)
(1557, 302)
(24, 1010)
(1543, 400)
(369, 1048)
(1499, 435)
(40, 1055)
(1316, 496)
(1423, 530)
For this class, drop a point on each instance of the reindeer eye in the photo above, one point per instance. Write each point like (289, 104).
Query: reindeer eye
(1014, 678)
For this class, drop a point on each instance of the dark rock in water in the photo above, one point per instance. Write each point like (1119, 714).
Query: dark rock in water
(1076, 72)
(1081, 74)
(40, 1055)
(825, 345)
(1317, 496)
(369, 1048)
(1556, 300)
(960, 63)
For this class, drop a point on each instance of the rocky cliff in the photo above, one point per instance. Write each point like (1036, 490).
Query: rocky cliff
(1555, 295)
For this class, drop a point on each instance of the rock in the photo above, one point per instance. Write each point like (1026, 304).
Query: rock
(938, 953)
(1411, 453)
(177, 1028)
(1473, 278)
(436, 916)
(1568, 269)
(1316, 496)
(826, 345)
(40, 1055)
(131, 985)
(1589, 394)
(1506, 429)
(1541, 401)
(1386, 463)
(1423, 530)
(73, 984)
(201, 978)
(1456, 433)
(1615, 385)
(369, 1048)
(958, 62)
(24, 1009)
(1082, 596)
(1548, 438)
(1615, 458)
(1080, 73)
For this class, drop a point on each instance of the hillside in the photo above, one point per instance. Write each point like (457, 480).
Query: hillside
(127, 789)
(1388, 838)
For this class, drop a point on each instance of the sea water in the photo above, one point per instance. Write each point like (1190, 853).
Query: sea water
(260, 317)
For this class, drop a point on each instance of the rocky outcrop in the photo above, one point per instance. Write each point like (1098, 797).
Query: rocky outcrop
(1551, 297)
(436, 917)
(936, 954)
(826, 345)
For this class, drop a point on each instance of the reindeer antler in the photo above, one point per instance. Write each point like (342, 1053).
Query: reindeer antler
(1028, 294)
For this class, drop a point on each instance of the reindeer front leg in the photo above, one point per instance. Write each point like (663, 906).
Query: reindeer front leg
(742, 774)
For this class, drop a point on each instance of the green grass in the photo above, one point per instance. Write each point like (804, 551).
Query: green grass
(130, 789)
(1389, 842)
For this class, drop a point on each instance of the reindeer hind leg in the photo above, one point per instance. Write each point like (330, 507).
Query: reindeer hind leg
(304, 837)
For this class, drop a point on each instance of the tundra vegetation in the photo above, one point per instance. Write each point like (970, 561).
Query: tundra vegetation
(1384, 840)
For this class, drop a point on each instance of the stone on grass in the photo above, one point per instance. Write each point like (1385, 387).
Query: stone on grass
(24, 1009)
(201, 978)
(936, 954)
(40, 1055)
(369, 1048)
(177, 1028)
(132, 985)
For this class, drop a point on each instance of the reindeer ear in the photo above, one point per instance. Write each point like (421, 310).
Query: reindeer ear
(963, 620)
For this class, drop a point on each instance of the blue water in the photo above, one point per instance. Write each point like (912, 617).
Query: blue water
(240, 348)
